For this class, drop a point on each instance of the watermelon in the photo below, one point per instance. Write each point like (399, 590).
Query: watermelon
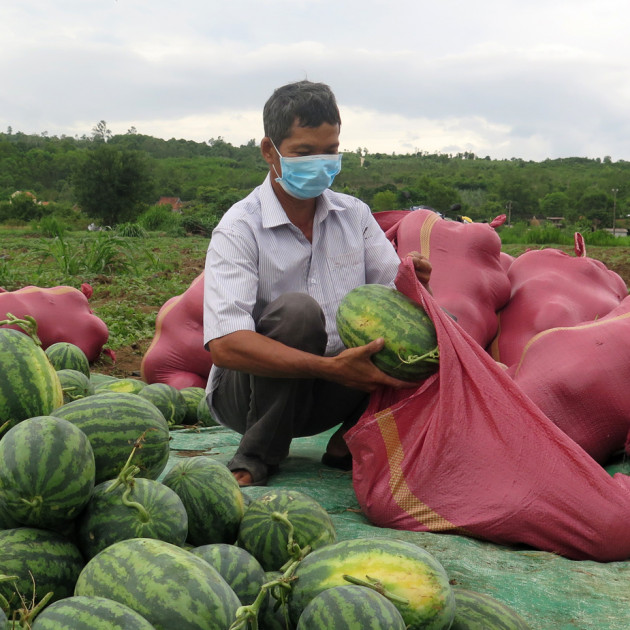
(67, 356)
(42, 561)
(403, 569)
(97, 378)
(212, 497)
(169, 586)
(89, 613)
(168, 400)
(120, 385)
(478, 611)
(74, 384)
(267, 538)
(349, 607)
(192, 396)
(148, 510)
(113, 422)
(46, 471)
(29, 385)
(204, 417)
(237, 567)
(371, 311)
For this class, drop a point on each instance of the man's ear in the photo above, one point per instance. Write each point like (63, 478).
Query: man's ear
(267, 150)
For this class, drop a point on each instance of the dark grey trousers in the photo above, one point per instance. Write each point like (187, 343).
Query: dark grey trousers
(270, 412)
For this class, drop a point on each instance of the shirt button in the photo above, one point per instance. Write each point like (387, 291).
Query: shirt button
(313, 281)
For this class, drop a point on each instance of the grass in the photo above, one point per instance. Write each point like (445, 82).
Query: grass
(132, 276)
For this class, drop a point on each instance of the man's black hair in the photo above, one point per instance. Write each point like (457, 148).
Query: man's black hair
(311, 103)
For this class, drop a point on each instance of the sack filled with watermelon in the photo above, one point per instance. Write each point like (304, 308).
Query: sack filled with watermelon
(469, 453)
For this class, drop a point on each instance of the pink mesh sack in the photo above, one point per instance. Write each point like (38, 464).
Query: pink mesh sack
(468, 278)
(550, 288)
(176, 355)
(468, 452)
(578, 376)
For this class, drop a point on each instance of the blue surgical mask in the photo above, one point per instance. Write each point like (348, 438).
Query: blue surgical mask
(308, 176)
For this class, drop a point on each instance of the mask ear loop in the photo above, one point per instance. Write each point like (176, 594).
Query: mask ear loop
(279, 155)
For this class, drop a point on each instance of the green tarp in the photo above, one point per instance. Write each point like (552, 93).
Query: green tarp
(550, 592)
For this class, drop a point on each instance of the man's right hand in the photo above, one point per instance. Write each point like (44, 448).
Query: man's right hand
(354, 368)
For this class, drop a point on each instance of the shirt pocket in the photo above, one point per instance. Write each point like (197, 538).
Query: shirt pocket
(347, 271)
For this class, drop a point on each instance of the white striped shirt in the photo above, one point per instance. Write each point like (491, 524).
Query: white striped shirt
(256, 254)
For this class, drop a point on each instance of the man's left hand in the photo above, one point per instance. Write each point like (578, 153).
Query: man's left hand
(422, 267)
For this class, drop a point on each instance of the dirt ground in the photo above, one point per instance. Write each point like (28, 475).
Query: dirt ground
(129, 358)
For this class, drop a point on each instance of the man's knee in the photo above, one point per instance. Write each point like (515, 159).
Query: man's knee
(297, 320)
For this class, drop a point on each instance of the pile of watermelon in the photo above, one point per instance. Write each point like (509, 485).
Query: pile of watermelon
(94, 534)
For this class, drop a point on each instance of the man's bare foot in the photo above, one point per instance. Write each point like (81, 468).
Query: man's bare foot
(243, 477)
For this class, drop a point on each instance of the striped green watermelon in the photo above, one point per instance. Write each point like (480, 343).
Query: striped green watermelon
(237, 567)
(204, 417)
(192, 396)
(97, 378)
(113, 422)
(143, 509)
(89, 613)
(168, 400)
(478, 611)
(170, 587)
(43, 561)
(29, 385)
(350, 607)
(7, 521)
(67, 356)
(371, 311)
(46, 471)
(266, 537)
(120, 385)
(212, 497)
(401, 568)
(74, 384)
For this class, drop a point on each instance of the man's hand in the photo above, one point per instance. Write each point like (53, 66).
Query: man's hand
(422, 267)
(354, 368)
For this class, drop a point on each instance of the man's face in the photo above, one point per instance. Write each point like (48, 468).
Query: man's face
(320, 140)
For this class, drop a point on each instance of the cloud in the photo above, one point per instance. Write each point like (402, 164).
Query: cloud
(497, 78)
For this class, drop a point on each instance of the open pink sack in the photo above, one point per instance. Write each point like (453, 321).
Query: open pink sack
(468, 453)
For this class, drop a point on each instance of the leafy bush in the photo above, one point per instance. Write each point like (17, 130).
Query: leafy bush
(51, 226)
(160, 218)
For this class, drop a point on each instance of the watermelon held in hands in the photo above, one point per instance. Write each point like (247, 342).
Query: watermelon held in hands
(281, 524)
(46, 471)
(478, 611)
(169, 586)
(67, 356)
(89, 613)
(371, 311)
(401, 569)
(349, 607)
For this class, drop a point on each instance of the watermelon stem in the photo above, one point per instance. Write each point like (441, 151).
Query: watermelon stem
(432, 356)
(377, 586)
(126, 477)
(247, 616)
(295, 551)
(28, 325)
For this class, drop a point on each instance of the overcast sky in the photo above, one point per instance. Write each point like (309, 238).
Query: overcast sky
(531, 79)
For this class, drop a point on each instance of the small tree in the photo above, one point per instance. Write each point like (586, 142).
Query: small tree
(112, 185)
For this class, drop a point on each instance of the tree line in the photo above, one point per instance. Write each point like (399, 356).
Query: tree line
(111, 179)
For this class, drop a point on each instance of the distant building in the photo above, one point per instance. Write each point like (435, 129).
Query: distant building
(175, 203)
(556, 221)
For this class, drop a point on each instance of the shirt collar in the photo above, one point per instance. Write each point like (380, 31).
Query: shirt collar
(273, 214)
